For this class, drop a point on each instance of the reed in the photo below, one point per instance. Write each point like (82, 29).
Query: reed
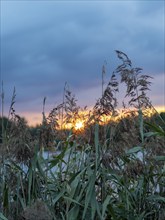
(109, 171)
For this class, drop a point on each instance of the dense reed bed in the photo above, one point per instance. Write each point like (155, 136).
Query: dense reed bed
(113, 168)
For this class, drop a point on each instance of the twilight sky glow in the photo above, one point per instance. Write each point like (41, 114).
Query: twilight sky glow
(46, 43)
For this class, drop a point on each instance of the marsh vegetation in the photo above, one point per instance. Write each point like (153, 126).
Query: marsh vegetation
(109, 165)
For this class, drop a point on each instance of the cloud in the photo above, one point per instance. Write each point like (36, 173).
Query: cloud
(45, 44)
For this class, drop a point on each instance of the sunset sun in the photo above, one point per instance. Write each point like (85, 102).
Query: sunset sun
(79, 125)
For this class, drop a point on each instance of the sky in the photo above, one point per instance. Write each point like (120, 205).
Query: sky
(44, 44)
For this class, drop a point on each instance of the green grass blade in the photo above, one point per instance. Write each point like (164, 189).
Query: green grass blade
(104, 206)
(89, 193)
(2, 217)
(96, 146)
(141, 125)
(134, 150)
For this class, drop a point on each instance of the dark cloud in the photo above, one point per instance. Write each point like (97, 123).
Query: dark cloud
(45, 44)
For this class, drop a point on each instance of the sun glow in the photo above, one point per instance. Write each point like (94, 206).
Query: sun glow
(79, 125)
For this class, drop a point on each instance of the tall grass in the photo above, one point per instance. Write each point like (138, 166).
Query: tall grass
(111, 171)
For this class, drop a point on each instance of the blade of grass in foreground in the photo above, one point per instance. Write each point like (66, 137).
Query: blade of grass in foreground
(2, 217)
(96, 145)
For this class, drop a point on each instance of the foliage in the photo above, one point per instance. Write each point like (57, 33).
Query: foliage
(108, 171)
